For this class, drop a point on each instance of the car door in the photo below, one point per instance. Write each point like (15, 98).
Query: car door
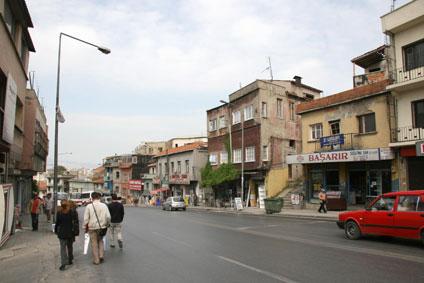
(379, 217)
(409, 217)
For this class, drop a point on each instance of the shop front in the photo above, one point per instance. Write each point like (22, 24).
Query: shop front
(357, 175)
(414, 156)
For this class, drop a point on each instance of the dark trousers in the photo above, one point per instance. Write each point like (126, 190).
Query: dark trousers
(34, 220)
(66, 251)
(322, 206)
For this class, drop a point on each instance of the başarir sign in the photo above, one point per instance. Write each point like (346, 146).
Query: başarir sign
(341, 156)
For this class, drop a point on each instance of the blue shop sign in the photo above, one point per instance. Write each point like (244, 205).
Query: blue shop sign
(332, 140)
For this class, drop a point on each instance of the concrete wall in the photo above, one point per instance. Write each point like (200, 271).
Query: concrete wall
(404, 106)
(404, 38)
(403, 16)
(276, 181)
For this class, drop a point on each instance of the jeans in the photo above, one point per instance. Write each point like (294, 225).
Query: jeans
(322, 206)
(97, 246)
(66, 251)
(34, 220)
(115, 230)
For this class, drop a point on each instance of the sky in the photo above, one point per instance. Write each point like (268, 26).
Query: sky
(172, 60)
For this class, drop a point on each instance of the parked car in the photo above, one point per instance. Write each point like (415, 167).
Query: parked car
(174, 203)
(397, 214)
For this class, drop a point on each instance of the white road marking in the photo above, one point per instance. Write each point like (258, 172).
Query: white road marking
(172, 239)
(264, 272)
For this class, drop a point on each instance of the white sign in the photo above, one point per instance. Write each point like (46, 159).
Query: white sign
(9, 110)
(262, 195)
(420, 148)
(342, 156)
(239, 204)
(295, 198)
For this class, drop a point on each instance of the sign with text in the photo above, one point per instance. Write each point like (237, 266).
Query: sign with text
(342, 156)
(239, 204)
(420, 148)
(332, 140)
(179, 179)
(262, 195)
(135, 185)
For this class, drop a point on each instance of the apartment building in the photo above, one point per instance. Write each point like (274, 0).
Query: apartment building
(255, 130)
(404, 28)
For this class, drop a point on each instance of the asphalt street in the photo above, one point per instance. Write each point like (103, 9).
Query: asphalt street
(164, 246)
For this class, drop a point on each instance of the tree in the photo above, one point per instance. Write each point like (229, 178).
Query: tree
(223, 174)
(61, 170)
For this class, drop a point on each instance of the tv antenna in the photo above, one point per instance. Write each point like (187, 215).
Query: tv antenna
(269, 68)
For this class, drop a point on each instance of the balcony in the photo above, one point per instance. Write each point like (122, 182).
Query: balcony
(407, 79)
(407, 134)
(337, 142)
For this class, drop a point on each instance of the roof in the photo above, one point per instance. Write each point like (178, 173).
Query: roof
(184, 148)
(371, 57)
(343, 97)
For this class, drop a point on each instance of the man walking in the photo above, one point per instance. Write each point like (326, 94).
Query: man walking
(96, 218)
(34, 209)
(323, 200)
(116, 210)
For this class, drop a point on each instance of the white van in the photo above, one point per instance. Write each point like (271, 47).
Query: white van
(86, 197)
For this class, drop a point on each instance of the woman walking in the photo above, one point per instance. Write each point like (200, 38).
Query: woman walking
(66, 222)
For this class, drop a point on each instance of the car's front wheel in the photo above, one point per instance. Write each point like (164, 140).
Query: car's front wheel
(352, 230)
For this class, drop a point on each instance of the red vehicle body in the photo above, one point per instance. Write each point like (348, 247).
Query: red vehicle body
(397, 214)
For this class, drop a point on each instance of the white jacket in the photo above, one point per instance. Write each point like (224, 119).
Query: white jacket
(102, 213)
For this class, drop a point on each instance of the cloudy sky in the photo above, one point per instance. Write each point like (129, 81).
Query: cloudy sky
(172, 60)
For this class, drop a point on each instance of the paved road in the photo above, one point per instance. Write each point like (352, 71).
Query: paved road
(163, 246)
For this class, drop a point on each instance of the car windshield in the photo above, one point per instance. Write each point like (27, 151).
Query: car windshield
(177, 199)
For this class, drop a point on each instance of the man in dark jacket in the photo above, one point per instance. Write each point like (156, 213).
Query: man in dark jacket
(116, 210)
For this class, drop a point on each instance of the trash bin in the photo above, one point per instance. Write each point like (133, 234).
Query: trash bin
(273, 205)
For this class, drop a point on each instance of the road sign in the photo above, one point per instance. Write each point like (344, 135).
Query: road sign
(420, 148)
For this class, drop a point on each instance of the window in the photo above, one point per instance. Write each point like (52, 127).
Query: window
(117, 174)
(236, 117)
(160, 169)
(384, 203)
(367, 123)
(187, 167)
(418, 113)
(179, 167)
(212, 125)
(265, 153)
(248, 113)
(237, 155)
(222, 123)
(308, 96)
(292, 144)
(335, 127)
(316, 131)
(213, 158)
(250, 154)
(279, 108)
(414, 55)
(224, 157)
(264, 110)
(172, 168)
(408, 203)
(292, 112)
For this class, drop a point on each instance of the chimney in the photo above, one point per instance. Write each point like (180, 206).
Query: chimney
(297, 80)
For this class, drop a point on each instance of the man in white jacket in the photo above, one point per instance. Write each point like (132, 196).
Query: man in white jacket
(96, 217)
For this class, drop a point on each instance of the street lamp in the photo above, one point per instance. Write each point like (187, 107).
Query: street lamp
(242, 145)
(58, 114)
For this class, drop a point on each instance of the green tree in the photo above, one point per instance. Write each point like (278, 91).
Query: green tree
(61, 170)
(223, 174)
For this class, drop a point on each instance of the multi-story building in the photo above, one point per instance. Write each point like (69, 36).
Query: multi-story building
(62, 181)
(404, 28)
(176, 142)
(178, 170)
(255, 130)
(150, 148)
(346, 136)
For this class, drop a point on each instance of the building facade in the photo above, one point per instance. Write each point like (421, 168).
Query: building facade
(404, 28)
(255, 130)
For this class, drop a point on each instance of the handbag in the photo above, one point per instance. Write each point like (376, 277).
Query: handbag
(102, 231)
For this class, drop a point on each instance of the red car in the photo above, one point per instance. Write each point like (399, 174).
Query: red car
(397, 214)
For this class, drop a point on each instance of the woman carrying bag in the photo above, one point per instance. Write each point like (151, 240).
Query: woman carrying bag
(66, 229)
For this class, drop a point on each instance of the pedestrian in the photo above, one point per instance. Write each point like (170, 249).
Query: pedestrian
(49, 206)
(65, 229)
(323, 200)
(116, 210)
(34, 208)
(96, 221)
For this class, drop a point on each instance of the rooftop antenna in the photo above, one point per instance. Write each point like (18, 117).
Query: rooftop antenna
(269, 68)
(392, 7)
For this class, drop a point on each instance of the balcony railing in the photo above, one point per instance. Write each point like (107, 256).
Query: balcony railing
(337, 142)
(402, 75)
(409, 133)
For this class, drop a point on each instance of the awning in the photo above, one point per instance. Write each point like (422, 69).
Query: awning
(155, 192)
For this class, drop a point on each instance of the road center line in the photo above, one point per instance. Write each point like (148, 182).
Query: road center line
(264, 272)
(172, 239)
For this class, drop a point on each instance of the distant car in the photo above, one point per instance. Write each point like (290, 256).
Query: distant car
(174, 203)
(397, 214)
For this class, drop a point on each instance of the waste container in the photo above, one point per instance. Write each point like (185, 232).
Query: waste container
(273, 205)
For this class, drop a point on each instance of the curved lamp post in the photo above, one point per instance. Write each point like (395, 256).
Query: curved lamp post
(58, 114)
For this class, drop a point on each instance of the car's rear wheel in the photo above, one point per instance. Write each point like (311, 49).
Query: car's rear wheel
(352, 230)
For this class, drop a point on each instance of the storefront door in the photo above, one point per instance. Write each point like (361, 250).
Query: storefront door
(357, 187)
(415, 173)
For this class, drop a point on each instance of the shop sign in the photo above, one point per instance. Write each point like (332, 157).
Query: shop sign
(341, 156)
(135, 185)
(180, 179)
(239, 204)
(262, 195)
(420, 148)
(332, 140)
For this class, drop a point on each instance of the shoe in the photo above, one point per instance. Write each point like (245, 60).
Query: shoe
(112, 246)
(120, 244)
(70, 262)
(102, 260)
(62, 267)
(96, 263)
